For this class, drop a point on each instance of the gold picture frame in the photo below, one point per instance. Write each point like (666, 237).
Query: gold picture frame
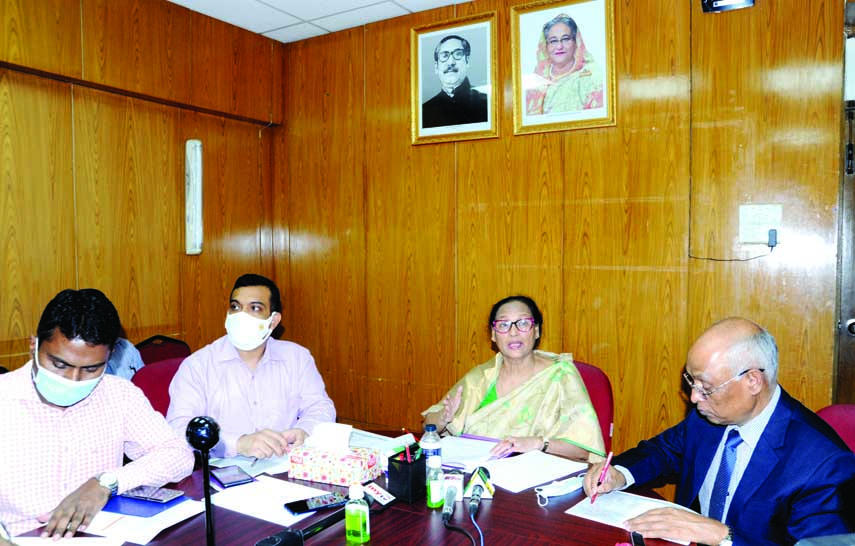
(563, 81)
(456, 97)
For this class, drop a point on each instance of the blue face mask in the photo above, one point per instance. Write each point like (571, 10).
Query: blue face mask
(58, 390)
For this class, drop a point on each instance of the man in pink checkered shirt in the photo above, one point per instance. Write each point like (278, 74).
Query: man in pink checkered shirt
(66, 425)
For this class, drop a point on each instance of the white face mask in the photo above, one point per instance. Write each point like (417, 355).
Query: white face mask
(58, 390)
(557, 489)
(247, 332)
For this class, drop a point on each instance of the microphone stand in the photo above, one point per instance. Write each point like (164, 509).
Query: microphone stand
(203, 433)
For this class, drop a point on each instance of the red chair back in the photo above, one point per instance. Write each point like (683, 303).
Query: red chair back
(600, 391)
(841, 417)
(157, 348)
(154, 380)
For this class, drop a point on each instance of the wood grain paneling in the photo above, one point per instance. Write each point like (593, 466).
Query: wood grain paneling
(236, 203)
(232, 69)
(44, 34)
(319, 214)
(410, 196)
(36, 206)
(129, 180)
(766, 130)
(149, 54)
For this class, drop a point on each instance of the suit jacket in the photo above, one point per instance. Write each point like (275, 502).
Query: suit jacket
(468, 105)
(791, 488)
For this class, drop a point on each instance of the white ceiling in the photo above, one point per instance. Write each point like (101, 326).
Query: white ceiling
(293, 20)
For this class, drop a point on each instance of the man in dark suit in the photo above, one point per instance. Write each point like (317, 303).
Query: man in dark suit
(759, 466)
(457, 103)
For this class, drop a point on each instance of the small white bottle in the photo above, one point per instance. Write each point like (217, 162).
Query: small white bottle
(357, 528)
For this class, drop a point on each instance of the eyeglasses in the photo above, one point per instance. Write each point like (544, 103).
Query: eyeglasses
(707, 393)
(504, 326)
(565, 41)
(458, 54)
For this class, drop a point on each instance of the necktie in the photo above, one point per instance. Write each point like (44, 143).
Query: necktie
(722, 479)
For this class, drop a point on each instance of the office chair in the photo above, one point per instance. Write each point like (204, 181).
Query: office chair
(154, 379)
(841, 417)
(157, 348)
(600, 391)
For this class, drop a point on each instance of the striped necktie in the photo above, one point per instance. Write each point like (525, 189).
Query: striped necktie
(722, 479)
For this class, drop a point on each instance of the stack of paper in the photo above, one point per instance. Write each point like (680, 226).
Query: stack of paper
(265, 499)
(530, 469)
(140, 530)
(466, 452)
(616, 507)
(253, 467)
(387, 446)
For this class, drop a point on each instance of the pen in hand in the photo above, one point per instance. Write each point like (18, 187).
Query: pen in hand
(254, 460)
(602, 477)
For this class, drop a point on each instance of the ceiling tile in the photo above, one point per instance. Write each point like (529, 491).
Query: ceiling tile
(314, 9)
(362, 16)
(248, 14)
(295, 33)
(424, 5)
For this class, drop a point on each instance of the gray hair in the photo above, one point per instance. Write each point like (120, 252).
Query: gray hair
(756, 351)
(561, 18)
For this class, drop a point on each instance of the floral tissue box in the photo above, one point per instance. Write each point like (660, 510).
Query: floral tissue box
(356, 465)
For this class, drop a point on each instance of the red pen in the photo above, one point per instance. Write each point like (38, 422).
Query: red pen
(409, 458)
(602, 476)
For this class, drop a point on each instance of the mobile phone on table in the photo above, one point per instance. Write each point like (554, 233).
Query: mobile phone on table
(316, 503)
(231, 475)
(152, 493)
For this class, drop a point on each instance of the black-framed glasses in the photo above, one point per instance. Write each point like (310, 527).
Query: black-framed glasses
(707, 393)
(565, 41)
(523, 324)
(458, 54)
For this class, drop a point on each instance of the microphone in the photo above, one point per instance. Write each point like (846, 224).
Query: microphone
(481, 477)
(448, 504)
(203, 433)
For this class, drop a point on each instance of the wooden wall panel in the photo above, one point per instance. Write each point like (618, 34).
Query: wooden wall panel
(236, 201)
(319, 216)
(36, 206)
(233, 69)
(766, 130)
(410, 242)
(44, 34)
(149, 54)
(130, 227)
(626, 221)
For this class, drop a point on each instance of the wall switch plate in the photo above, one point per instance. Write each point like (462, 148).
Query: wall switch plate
(755, 221)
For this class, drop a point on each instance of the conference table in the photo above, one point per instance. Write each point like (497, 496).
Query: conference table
(508, 519)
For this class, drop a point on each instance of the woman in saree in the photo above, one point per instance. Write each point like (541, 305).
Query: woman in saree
(530, 399)
(566, 78)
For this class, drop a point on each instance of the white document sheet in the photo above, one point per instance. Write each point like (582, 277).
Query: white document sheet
(466, 453)
(387, 446)
(527, 470)
(273, 465)
(78, 541)
(142, 530)
(616, 507)
(265, 499)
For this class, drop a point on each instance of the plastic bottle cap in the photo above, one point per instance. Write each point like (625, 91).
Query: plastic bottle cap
(430, 428)
(356, 491)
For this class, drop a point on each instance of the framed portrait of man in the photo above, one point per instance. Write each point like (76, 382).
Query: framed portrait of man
(564, 67)
(453, 80)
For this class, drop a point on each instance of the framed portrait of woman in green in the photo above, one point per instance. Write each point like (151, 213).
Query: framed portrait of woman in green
(563, 63)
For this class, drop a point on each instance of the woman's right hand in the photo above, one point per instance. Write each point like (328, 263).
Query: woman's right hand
(450, 406)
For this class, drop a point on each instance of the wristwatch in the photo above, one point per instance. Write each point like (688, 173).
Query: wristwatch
(728, 540)
(545, 445)
(110, 481)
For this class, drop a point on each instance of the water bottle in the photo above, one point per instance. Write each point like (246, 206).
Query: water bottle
(435, 482)
(357, 528)
(430, 444)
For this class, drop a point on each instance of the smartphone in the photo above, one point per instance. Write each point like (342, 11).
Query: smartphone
(231, 475)
(152, 493)
(316, 503)
(637, 539)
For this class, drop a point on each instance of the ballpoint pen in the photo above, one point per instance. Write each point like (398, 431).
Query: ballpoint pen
(602, 476)
(254, 460)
